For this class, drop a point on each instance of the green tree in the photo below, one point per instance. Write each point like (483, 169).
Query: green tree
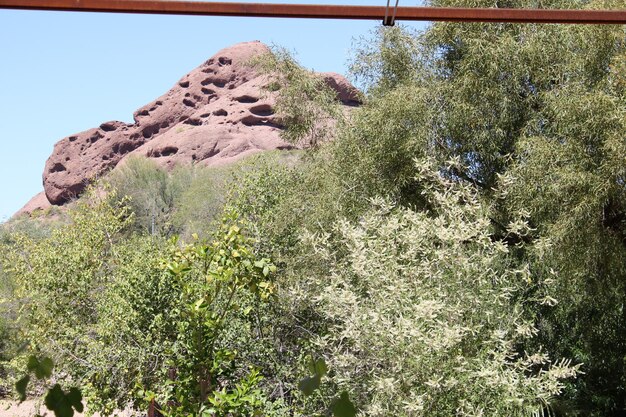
(535, 117)
(212, 280)
(537, 114)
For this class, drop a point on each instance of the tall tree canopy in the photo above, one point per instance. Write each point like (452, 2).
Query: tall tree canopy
(537, 116)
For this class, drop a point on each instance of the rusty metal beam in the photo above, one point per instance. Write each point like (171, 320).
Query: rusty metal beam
(322, 11)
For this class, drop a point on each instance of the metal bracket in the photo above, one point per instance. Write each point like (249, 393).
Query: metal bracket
(390, 20)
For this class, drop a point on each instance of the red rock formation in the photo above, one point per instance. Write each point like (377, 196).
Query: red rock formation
(38, 202)
(215, 114)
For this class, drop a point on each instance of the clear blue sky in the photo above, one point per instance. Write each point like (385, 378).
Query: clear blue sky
(64, 72)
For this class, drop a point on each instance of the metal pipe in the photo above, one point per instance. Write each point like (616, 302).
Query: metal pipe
(322, 11)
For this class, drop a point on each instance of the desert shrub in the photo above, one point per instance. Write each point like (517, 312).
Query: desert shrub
(36, 227)
(127, 344)
(258, 191)
(8, 329)
(218, 284)
(57, 278)
(182, 201)
(306, 106)
(8, 332)
(68, 311)
(387, 60)
(119, 312)
(199, 206)
(150, 190)
(536, 112)
(579, 203)
(427, 311)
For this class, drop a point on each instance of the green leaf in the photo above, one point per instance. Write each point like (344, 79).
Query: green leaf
(317, 367)
(42, 369)
(320, 367)
(198, 304)
(75, 398)
(343, 407)
(33, 363)
(45, 368)
(309, 385)
(21, 385)
(63, 404)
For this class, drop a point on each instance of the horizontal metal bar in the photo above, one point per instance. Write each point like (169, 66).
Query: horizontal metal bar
(322, 11)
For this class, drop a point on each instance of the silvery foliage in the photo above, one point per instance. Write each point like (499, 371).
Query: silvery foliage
(427, 310)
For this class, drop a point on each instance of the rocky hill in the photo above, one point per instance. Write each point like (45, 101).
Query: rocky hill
(217, 113)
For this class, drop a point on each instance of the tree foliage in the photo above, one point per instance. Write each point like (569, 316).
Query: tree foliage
(307, 107)
(181, 201)
(534, 115)
(428, 312)
(210, 279)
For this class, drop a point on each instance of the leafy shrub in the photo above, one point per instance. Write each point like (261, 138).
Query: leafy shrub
(8, 329)
(120, 313)
(58, 280)
(212, 281)
(427, 311)
(306, 106)
(182, 201)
